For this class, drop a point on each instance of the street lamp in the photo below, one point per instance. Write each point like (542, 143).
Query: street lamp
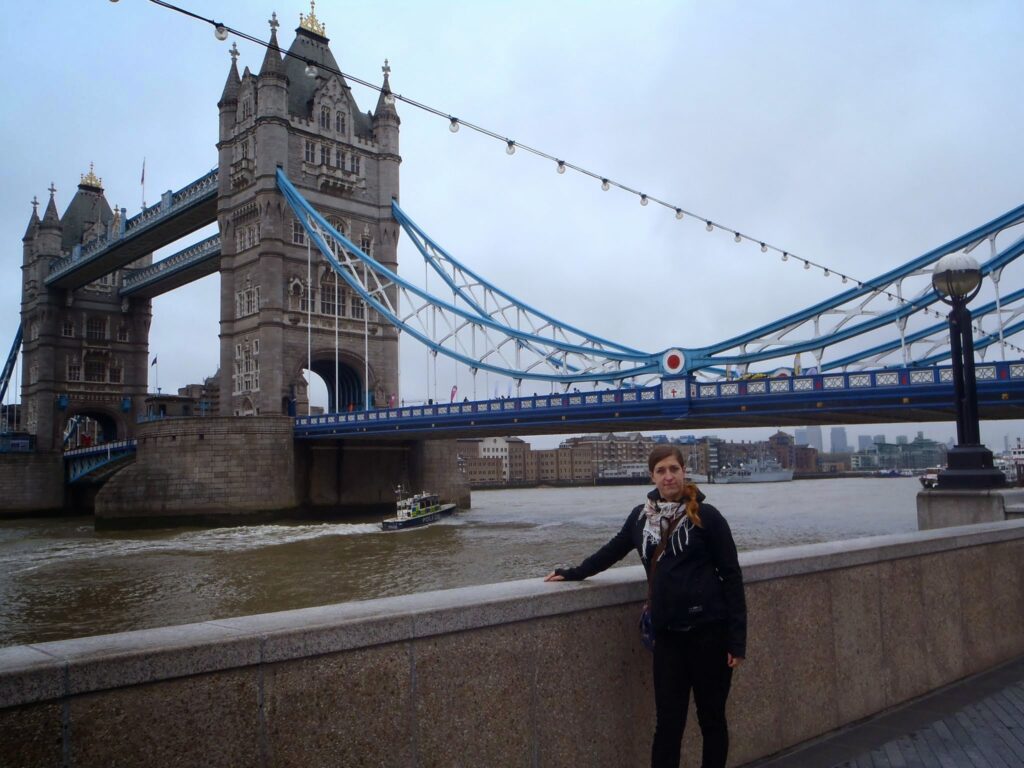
(957, 280)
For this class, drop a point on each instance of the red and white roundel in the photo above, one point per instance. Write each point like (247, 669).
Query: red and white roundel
(672, 361)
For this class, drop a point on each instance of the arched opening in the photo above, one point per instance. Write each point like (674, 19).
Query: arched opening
(349, 389)
(87, 428)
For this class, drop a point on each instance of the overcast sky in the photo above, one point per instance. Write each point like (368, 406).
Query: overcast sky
(857, 134)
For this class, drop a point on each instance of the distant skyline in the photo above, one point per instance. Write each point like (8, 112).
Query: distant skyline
(858, 133)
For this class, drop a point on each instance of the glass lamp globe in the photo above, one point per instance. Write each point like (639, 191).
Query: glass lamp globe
(956, 275)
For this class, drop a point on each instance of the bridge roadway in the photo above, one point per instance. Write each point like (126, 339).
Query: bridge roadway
(176, 215)
(867, 397)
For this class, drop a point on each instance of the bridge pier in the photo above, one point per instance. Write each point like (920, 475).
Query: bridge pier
(239, 470)
(358, 476)
(204, 470)
(31, 483)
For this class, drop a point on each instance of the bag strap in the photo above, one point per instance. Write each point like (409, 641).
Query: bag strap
(658, 552)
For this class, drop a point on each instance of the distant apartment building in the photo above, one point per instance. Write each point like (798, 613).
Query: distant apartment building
(610, 451)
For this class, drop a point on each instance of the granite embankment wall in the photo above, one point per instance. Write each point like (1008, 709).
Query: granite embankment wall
(521, 673)
(31, 482)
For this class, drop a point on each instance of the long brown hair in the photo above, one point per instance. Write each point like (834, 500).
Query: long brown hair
(690, 490)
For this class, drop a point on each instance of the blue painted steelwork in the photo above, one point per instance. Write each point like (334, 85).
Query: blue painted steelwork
(172, 204)
(165, 269)
(82, 462)
(466, 283)
(12, 358)
(550, 360)
(833, 323)
(769, 340)
(906, 394)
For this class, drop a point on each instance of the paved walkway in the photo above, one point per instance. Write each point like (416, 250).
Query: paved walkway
(976, 723)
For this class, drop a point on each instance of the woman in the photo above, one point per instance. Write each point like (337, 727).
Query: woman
(698, 609)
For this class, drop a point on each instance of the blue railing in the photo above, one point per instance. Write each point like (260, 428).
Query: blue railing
(80, 462)
(673, 398)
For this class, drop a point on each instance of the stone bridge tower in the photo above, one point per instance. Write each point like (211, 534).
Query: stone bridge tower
(305, 120)
(85, 350)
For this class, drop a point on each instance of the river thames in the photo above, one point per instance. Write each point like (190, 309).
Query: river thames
(59, 578)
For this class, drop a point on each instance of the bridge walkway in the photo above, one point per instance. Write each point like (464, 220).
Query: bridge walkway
(974, 723)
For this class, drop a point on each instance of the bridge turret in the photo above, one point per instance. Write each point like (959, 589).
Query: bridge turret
(50, 228)
(273, 82)
(385, 131)
(33, 226)
(228, 103)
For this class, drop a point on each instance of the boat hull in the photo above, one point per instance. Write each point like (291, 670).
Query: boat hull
(401, 523)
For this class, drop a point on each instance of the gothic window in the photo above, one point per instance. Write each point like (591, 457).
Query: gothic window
(247, 301)
(339, 122)
(310, 152)
(328, 294)
(337, 223)
(246, 368)
(339, 158)
(122, 333)
(366, 245)
(245, 149)
(115, 374)
(358, 308)
(354, 163)
(325, 117)
(74, 370)
(95, 371)
(246, 107)
(298, 233)
(67, 329)
(308, 302)
(96, 328)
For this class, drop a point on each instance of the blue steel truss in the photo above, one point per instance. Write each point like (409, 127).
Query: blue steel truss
(853, 330)
(480, 342)
(12, 358)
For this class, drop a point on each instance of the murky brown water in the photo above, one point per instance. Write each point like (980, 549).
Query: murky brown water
(59, 578)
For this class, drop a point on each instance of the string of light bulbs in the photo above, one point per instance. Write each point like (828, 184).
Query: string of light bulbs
(222, 31)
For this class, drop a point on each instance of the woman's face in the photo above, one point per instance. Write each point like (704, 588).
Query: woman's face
(668, 475)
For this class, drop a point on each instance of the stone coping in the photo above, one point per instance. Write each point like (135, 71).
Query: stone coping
(52, 670)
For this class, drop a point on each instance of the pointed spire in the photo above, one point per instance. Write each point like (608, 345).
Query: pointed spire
(51, 217)
(230, 94)
(272, 61)
(386, 101)
(33, 221)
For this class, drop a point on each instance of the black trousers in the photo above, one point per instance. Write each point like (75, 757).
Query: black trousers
(684, 660)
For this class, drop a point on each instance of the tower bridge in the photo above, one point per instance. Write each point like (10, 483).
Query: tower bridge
(306, 201)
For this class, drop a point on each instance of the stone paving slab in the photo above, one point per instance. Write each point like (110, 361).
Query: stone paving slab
(975, 723)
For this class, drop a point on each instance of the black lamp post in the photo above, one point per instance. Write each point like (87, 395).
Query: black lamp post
(957, 280)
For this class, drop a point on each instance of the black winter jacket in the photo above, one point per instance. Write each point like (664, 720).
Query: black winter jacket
(698, 579)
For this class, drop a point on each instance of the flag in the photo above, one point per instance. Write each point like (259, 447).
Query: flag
(455, 391)
(154, 362)
(143, 179)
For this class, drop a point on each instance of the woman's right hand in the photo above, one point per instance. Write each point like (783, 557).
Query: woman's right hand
(554, 577)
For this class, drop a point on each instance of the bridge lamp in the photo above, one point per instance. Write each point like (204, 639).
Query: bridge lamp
(957, 280)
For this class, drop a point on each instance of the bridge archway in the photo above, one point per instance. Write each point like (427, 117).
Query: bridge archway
(95, 426)
(321, 376)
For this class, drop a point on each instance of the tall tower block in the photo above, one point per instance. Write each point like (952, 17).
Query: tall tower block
(280, 302)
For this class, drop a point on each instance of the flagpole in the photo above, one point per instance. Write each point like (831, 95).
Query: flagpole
(143, 183)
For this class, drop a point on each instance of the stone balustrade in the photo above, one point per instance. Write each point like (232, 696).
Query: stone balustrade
(521, 673)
